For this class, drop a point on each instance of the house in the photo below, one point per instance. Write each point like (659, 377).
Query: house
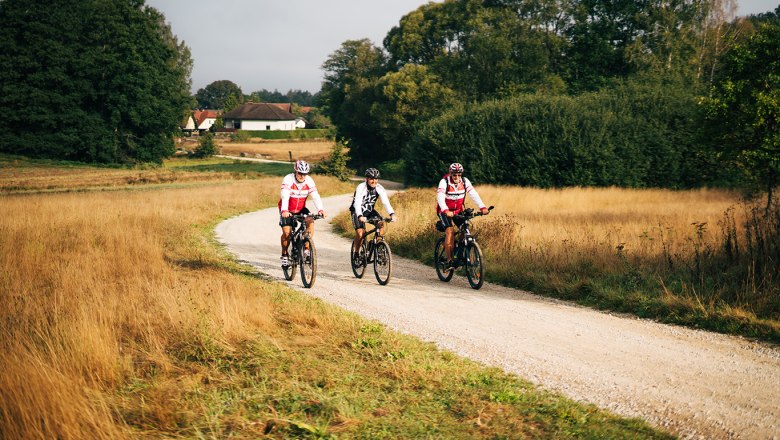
(300, 121)
(204, 119)
(188, 125)
(259, 116)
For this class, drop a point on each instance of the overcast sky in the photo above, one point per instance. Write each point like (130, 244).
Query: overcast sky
(281, 44)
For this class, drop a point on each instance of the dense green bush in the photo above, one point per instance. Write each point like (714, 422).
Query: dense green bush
(630, 136)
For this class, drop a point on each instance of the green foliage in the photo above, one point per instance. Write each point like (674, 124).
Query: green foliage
(632, 135)
(336, 163)
(90, 80)
(206, 147)
(219, 94)
(349, 92)
(300, 97)
(744, 109)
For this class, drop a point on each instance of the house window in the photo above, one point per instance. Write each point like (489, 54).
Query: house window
(267, 127)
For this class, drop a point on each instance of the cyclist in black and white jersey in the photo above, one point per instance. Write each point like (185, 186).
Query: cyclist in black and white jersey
(363, 201)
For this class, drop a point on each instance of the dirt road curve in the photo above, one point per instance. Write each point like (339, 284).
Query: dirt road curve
(692, 383)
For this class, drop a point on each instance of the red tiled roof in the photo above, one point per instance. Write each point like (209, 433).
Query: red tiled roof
(202, 115)
(286, 106)
(259, 111)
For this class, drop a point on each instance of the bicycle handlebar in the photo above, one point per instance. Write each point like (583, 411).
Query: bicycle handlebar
(375, 219)
(469, 213)
(303, 216)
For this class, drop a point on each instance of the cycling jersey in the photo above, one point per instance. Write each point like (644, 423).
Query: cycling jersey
(293, 194)
(365, 198)
(450, 196)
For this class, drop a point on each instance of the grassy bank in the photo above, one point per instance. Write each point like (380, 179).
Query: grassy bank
(122, 318)
(700, 258)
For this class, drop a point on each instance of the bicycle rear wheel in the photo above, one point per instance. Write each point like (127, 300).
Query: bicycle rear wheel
(289, 270)
(474, 267)
(440, 261)
(383, 262)
(308, 262)
(359, 268)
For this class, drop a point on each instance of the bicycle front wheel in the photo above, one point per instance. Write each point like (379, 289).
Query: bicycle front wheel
(358, 260)
(289, 270)
(383, 262)
(440, 261)
(308, 260)
(474, 265)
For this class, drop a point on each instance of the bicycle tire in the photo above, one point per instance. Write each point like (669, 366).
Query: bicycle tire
(383, 263)
(360, 269)
(308, 264)
(289, 270)
(475, 269)
(440, 261)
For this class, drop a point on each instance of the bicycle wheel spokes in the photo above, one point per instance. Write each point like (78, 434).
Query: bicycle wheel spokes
(308, 261)
(358, 261)
(474, 265)
(383, 266)
(440, 262)
(289, 270)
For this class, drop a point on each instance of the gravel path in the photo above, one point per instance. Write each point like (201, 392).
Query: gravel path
(693, 383)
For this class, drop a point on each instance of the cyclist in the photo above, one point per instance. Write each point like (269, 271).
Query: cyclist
(450, 197)
(362, 207)
(296, 188)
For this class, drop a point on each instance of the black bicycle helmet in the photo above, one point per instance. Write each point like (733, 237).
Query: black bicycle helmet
(372, 173)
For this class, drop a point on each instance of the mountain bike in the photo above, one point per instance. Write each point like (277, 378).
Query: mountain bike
(466, 253)
(301, 252)
(373, 250)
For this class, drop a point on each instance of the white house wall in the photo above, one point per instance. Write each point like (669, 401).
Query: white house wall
(205, 125)
(263, 125)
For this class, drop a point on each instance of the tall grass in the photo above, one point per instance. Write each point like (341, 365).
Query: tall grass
(700, 257)
(119, 318)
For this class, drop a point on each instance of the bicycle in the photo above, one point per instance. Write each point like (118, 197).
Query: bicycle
(301, 252)
(466, 252)
(373, 250)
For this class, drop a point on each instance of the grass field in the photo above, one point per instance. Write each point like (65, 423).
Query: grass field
(122, 318)
(311, 150)
(701, 258)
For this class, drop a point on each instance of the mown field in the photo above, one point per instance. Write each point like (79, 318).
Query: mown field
(701, 258)
(121, 317)
(309, 150)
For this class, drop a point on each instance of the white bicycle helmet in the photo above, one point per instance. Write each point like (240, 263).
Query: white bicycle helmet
(456, 168)
(302, 167)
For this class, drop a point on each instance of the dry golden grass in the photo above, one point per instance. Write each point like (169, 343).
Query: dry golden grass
(312, 151)
(44, 178)
(557, 224)
(99, 288)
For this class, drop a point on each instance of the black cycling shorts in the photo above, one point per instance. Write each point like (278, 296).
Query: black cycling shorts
(289, 221)
(450, 221)
(361, 225)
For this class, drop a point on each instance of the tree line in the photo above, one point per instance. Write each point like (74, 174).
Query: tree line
(553, 93)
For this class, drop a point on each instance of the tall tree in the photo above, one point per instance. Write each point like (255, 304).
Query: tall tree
(215, 95)
(348, 92)
(90, 80)
(745, 105)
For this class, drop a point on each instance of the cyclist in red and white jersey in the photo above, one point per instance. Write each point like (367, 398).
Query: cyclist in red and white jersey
(296, 188)
(450, 198)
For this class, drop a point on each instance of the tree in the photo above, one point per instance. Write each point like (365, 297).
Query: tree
(217, 94)
(336, 163)
(90, 80)
(745, 106)
(348, 92)
(406, 98)
(206, 147)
